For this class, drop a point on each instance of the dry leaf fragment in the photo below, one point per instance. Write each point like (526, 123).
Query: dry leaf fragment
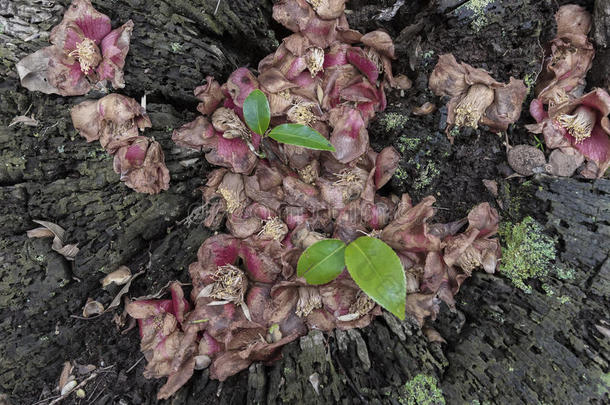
(117, 300)
(58, 233)
(92, 308)
(25, 120)
(65, 374)
(424, 109)
(119, 277)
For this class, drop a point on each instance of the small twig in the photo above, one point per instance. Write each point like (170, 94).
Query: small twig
(134, 365)
(217, 5)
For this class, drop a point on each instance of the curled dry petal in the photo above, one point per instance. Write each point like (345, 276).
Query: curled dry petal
(210, 95)
(380, 41)
(349, 137)
(240, 84)
(409, 229)
(198, 135)
(422, 306)
(328, 9)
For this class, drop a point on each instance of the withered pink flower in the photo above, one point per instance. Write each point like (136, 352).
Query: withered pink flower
(317, 23)
(160, 329)
(569, 58)
(581, 124)
(116, 121)
(201, 135)
(409, 229)
(142, 166)
(475, 97)
(85, 52)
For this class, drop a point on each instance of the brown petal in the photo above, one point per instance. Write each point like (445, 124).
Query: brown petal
(210, 96)
(506, 107)
(422, 306)
(564, 162)
(86, 120)
(380, 41)
(198, 135)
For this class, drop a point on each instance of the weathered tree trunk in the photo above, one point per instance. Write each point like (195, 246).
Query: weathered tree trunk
(504, 346)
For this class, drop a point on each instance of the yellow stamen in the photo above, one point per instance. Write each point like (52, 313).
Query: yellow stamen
(363, 304)
(472, 107)
(230, 284)
(308, 174)
(374, 57)
(87, 54)
(314, 58)
(315, 4)
(309, 299)
(580, 124)
(274, 228)
(230, 198)
(301, 114)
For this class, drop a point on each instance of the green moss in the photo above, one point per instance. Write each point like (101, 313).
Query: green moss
(426, 176)
(479, 11)
(530, 80)
(528, 252)
(401, 174)
(406, 143)
(421, 390)
(392, 121)
(176, 47)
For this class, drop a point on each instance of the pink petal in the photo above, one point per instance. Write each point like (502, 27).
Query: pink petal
(349, 137)
(356, 57)
(596, 147)
(240, 84)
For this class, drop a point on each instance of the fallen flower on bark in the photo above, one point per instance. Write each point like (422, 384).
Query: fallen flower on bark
(116, 121)
(85, 52)
(475, 97)
(569, 58)
(581, 124)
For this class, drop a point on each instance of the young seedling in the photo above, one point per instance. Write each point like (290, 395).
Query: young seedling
(373, 265)
(257, 115)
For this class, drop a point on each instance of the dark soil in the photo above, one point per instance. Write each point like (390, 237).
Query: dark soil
(504, 346)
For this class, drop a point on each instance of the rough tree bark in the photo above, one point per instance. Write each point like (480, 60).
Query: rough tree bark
(504, 346)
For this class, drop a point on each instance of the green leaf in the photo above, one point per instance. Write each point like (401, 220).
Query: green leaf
(300, 135)
(377, 270)
(257, 112)
(322, 262)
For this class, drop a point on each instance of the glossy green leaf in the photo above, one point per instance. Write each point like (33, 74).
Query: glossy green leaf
(322, 262)
(377, 270)
(257, 112)
(300, 135)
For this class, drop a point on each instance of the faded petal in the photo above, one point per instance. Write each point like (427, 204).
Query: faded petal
(210, 96)
(115, 47)
(349, 137)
